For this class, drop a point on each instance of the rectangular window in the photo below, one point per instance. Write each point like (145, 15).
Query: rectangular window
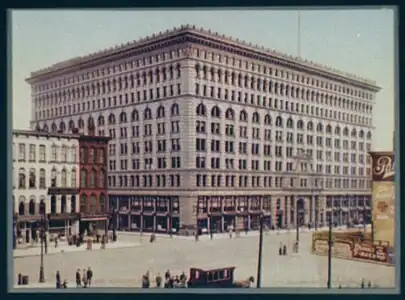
(32, 153)
(21, 152)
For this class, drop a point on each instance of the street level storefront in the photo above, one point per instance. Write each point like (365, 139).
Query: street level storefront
(63, 218)
(219, 214)
(146, 213)
(349, 209)
(91, 223)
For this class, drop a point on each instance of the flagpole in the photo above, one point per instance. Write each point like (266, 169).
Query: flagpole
(299, 34)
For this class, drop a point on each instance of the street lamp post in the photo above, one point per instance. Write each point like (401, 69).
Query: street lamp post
(42, 236)
(210, 219)
(259, 260)
(330, 245)
(297, 225)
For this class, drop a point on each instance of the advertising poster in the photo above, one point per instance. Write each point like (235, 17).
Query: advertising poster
(383, 193)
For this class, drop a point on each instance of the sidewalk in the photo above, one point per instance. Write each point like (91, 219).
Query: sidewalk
(64, 248)
(224, 235)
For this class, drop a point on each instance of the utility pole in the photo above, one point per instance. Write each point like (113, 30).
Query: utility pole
(330, 245)
(259, 260)
(297, 238)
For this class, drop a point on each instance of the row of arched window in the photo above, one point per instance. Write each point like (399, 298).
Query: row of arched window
(107, 86)
(111, 119)
(33, 181)
(92, 178)
(201, 111)
(32, 208)
(92, 203)
(259, 84)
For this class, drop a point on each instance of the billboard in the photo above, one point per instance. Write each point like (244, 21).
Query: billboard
(349, 245)
(383, 193)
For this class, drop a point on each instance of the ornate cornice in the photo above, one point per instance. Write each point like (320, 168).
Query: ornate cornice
(193, 35)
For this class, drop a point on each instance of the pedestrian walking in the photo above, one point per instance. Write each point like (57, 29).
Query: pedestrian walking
(183, 277)
(362, 283)
(145, 281)
(84, 278)
(89, 274)
(78, 279)
(167, 283)
(158, 280)
(284, 250)
(171, 282)
(167, 274)
(58, 281)
(280, 250)
(56, 242)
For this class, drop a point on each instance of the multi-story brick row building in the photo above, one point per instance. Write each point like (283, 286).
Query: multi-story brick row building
(93, 181)
(44, 162)
(71, 186)
(194, 115)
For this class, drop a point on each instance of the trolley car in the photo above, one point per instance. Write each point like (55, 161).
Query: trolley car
(216, 278)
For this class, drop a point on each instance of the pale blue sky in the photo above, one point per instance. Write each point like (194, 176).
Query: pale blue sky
(355, 41)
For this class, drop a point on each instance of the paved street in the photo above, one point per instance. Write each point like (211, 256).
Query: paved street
(123, 267)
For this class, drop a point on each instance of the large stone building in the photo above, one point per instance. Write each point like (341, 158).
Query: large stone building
(218, 128)
(45, 171)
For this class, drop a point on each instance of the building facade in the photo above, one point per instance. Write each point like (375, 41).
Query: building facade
(214, 124)
(93, 181)
(45, 171)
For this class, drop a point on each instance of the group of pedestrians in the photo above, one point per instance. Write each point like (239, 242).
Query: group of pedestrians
(177, 281)
(85, 279)
(282, 250)
(59, 283)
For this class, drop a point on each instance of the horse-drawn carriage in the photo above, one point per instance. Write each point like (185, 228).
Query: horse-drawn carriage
(216, 278)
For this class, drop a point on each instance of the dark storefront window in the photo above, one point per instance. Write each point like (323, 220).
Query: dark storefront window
(215, 204)
(242, 203)
(202, 205)
(162, 204)
(267, 204)
(136, 204)
(53, 204)
(328, 202)
(229, 204)
(73, 204)
(255, 203)
(148, 204)
(63, 205)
